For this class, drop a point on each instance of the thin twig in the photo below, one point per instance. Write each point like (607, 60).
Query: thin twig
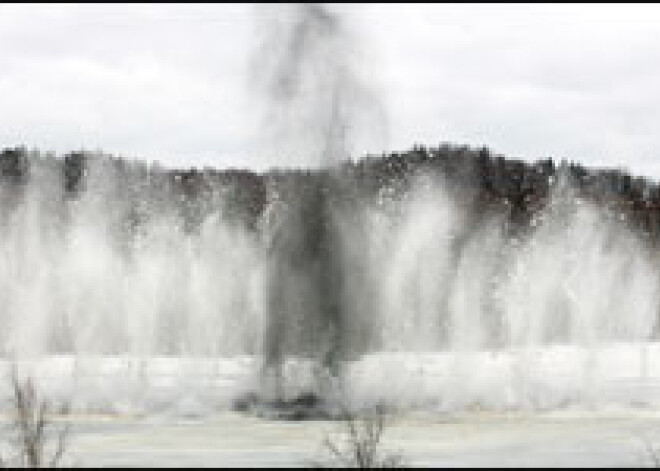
(32, 428)
(359, 446)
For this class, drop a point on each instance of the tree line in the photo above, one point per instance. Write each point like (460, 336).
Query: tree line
(489, 182)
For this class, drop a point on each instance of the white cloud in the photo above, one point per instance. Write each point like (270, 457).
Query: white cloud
(168, 82)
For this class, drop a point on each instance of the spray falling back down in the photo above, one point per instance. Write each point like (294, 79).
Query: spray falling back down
(455, 305)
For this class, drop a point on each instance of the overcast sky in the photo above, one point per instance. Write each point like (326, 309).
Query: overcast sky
(169, 82)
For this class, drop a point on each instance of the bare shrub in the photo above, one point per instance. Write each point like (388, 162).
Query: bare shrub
(359, 444)
(35, 439)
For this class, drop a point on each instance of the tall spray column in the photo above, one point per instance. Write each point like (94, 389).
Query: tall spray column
(330, 281)
(316, 105)
(272, 230)
(334, 149)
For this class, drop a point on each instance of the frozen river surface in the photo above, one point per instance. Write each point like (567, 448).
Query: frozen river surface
(559, 406)
(559, 440)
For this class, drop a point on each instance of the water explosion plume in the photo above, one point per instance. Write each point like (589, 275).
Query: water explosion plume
(310, 81)
(446, 278)
(127, 284)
